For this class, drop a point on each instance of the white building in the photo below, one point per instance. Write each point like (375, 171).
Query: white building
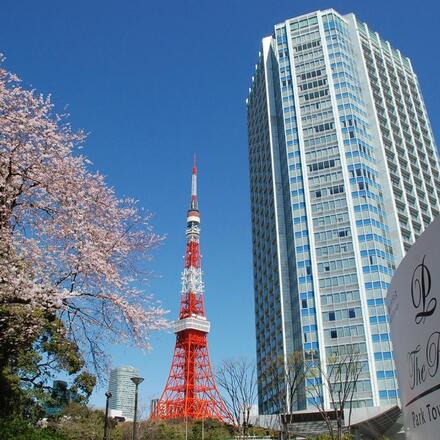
(123, 392)
(344, 176)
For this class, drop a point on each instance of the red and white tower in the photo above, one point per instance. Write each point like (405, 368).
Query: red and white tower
(190, 391)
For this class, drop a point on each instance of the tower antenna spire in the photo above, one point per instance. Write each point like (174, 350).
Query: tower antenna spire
(194, 201)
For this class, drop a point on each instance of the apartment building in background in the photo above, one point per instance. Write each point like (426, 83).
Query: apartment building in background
(344, 176)
(121, 403)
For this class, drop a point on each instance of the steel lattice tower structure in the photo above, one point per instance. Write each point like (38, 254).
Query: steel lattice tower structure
(190, 391)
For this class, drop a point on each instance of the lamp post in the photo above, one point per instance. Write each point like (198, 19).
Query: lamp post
(136, 381)
(108, 394)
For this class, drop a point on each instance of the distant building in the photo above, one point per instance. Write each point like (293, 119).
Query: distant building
(153, 406)
(60, 391)
(249, 413)
(116, 414)
(61, 396)
(123, 390)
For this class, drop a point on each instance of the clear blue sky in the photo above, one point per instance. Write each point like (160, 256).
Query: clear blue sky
(155, 81)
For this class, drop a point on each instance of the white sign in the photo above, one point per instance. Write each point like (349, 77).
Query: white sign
(413, 302)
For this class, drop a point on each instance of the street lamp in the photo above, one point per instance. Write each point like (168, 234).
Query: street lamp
(136, 381)
(108, 394)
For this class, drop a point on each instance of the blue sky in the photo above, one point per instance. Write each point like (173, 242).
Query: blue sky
(153, 82)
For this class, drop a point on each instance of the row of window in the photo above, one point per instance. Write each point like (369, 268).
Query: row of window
(330, 205)
(309, 65)
(339, 56)
(382, 355)
(377, 285)
(362, 386)
(314, 117)
(305, 36)
(347, 85)
(330, 266)
(382, 337)
(352, 121)
(335, 298)
(321, 140)
(313, 84)
(305, 46)
(346, 97)
(365, 171)
(321, 105)
(313, 95)
(318, 166)
(370, 266)
(331, 150)
(351, 107)
(312, 55)
(381, 319)
(366, 193)
(323, 178)
(368, 207)
(311, 74)
(344, 332)
(318, 128)
(334, 249)
(337, 315)
(329, 191)
(375, 237)
(346, 349)
(388, 394)
(341, 65)
(341, 280)
(304, 23)
(379, 253)
(332, 234)
(329, 220)
(362, 151)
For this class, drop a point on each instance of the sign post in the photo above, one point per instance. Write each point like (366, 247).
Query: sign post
(413, 302)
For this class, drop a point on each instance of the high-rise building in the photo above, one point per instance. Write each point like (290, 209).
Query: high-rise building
(123, 391)
(61, 396)
(344, 176)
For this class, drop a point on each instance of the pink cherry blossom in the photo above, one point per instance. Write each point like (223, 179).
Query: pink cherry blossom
(67, 242)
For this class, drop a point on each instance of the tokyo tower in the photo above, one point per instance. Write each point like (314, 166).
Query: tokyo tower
(190, 391)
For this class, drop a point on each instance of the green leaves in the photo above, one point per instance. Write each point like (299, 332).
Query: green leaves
(17, 429)
(85, 383)
(27, 371)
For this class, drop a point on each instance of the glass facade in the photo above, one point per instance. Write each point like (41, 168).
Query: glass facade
(344, 177)
(123, 390)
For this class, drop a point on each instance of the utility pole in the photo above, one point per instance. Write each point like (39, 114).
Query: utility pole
(136, 381)
(108, 395)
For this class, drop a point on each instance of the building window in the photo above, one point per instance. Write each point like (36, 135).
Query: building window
(333, 334)
(331, 316)
(351, 313)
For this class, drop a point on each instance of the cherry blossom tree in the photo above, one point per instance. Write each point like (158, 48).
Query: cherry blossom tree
(68, 245)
